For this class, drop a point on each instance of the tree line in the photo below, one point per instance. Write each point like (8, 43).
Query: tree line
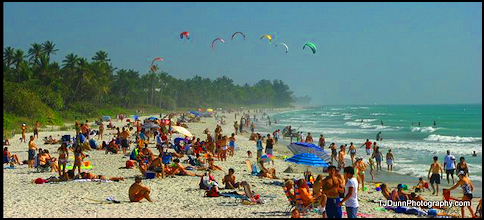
(36, 87)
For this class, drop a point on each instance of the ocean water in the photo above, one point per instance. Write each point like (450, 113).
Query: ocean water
(457, 128)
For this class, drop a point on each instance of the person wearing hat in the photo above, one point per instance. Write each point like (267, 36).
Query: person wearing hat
(401, 195)
(137, 192)
(360, 171)
(467, 188)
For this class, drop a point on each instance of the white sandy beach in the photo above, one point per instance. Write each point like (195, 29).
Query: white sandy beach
(173, 197)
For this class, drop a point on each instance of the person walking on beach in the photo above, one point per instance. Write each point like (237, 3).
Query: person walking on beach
(36, 129)
(390, 160)
(449, 164)
(368, 146)
(435, 167)
(322, 141)
(333, 186)
(351, 193)
(252, 127)
(236, 126)
(137, 192)
(232, 145)
(124, 141)
(24, 129)
(467, 188)
(32, 149)
(352, 152)
(360, 168)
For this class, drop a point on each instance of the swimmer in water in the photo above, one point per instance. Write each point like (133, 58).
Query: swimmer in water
(474, 154)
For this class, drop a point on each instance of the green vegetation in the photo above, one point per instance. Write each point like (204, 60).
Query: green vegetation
(52, 93)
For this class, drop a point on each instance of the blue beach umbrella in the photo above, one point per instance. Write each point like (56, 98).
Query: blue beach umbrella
(308, 160)
(302, 147)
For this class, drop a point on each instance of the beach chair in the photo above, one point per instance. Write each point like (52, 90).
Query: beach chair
(300, 205)
(252, 168)
(450, 211)
(292, 203)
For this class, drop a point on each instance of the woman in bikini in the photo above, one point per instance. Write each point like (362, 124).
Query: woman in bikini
(360, 171)
(79, 156)
(63, 155)
(467, 188)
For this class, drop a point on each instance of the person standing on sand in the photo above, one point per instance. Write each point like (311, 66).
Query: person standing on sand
(32, 149)
(467, 188)
(36, 129)
(360, 168)
(137, 192)
(390, 160)
(449, 164)
(334, 153)
(77, 127)
(333, 185)
(236, 126)
(322, 141)
(269, 146)
(259, 146)
(368, 146)
(101, 131)
(341, 157)
(252, 127)
(309, 138)
(24, 129)
(351, 193)
(124, 141)
(378, 157)
(435, 178)
(352, 152)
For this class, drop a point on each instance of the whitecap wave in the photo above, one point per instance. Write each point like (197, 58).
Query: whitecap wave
(365, 120)
(428, 129)
(452, 139)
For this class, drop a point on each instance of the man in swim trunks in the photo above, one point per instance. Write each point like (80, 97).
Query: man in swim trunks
(32, 149)
(124, 141)
(229, 180)
(333, 186)
(435, 178)
(341, 157)
(322, 141)
(390, 160)
(309, 138)
(368, 146)
(137, 192)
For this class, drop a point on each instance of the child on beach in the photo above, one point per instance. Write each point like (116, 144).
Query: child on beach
(421, 185)
(341, 157)
(372, 167)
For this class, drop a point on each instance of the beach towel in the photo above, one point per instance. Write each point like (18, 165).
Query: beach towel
(92, 180)
(360, 215)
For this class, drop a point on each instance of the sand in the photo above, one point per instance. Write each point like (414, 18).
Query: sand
(173, 197)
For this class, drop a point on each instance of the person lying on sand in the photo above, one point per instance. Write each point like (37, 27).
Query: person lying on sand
(88, 175)
(138, 192)
(51, 140)
(179, 169)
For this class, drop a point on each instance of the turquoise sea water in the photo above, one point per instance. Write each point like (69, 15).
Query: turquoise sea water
(458, 129)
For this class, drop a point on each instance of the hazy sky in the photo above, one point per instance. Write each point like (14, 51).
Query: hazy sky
(385, 53)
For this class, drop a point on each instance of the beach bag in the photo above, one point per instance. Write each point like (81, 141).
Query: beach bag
(130, 164)
(212, 193)
(40, 181)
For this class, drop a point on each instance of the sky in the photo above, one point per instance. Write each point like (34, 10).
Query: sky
(367, 53)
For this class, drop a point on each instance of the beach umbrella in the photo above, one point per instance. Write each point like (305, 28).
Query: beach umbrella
(152, 118)
(182, 130)
(302, 147)
(308, 160)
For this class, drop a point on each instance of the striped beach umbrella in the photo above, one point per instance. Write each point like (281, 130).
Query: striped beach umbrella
(308, 160)
(302, 147)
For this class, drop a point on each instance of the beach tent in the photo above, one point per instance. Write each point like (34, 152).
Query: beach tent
(308, 160)
(302, 147)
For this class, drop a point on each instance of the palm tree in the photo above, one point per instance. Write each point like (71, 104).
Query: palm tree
(34, 52)
(101, 56)
(8, 54)
(70, 61)
(48, 48)
(18, 57)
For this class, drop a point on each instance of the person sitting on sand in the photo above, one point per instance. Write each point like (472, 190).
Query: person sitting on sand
(421, 185)
(157, 166)
(401, 195)
(137, 192)
(9, 158)
(289, 184)
(112, 147)
(88, 175)
(229, 180)
(6, 142)
(267, 173)
(180, 170)
(211, 163)
(386, 193)
(208, 181)
(51, 140)
(304, 192)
